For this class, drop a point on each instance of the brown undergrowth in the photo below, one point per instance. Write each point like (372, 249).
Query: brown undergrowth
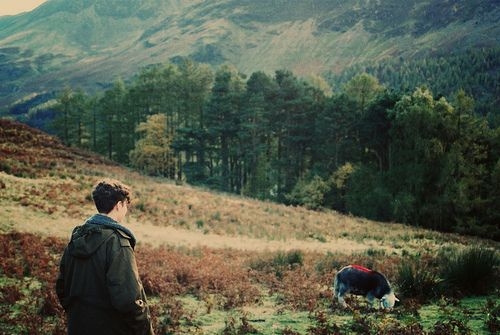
(220, 280)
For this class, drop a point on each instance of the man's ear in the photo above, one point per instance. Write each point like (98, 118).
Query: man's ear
(115, 207)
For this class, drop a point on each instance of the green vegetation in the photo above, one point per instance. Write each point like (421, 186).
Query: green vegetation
(410, 133)
(417, 279)
(471, 270)
(476, 71)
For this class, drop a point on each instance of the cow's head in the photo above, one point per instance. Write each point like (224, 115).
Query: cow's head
(388, 300)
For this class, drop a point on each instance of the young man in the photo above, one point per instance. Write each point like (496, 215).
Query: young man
(98, 284)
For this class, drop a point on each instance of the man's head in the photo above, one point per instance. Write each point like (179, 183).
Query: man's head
(108, 193)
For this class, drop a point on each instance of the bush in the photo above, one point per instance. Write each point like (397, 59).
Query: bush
(492, 312)
(291, 258)
(310, 194)
(280, 261)
(416, 280)
(471, 270)
(321, 325)
(232, 327)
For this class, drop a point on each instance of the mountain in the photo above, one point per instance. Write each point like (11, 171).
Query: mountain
(90, 43)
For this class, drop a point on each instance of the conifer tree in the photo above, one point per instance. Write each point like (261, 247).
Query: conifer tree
(222, 123)
(114, 134)
(71, 119)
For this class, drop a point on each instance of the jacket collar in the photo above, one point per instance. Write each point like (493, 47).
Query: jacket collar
(106, 221)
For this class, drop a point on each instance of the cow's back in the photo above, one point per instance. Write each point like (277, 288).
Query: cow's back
(360, 280)
(356, 280)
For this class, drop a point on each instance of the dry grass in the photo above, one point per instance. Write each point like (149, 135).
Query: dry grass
(165, 213)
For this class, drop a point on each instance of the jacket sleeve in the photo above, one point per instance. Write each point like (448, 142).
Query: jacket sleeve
(126, 291)
(60, 281)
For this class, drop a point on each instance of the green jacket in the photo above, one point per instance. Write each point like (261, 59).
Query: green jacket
(98, 284)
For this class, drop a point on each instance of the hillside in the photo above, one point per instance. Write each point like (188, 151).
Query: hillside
(46, 189)
(213, 262)
(89, 43)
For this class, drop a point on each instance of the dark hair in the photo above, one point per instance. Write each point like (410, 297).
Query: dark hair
(107, 193)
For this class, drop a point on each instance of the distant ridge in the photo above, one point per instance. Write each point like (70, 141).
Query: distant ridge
(90, 43)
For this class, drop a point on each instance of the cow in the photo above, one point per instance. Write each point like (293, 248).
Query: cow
(359, 280)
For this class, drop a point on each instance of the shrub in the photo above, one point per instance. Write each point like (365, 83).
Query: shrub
(453, 319)
(300, 290)
(200, 224)
(232, 327)
(279, 262)
(331, 262)
(492, 311)
(292, 258)
(170, 314)
(289, 331)
(321, 325)
(10, 294)
(415, 279)
(310, 194)
(361, 324)
(471, 270)
(391, 326)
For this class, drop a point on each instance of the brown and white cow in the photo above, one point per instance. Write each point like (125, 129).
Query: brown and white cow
(359, 280)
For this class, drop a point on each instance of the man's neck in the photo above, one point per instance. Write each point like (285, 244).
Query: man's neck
(112, 215)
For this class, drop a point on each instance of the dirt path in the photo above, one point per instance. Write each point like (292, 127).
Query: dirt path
(25, 220)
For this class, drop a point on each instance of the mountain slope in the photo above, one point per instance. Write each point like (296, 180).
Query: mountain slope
(89, 43)
(45, 188)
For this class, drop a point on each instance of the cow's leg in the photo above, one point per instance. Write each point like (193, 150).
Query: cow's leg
(370, 297)
(339, 292)
(342, 301)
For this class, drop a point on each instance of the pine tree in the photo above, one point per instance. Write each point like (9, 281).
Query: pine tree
(71, 119)
(113, 134)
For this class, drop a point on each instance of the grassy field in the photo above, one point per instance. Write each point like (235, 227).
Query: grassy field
(221, 264)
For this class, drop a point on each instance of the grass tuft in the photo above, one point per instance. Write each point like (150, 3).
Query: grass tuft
(416, 279)
(472, 270)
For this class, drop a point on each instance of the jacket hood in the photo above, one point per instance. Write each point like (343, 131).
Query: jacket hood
(87, 238)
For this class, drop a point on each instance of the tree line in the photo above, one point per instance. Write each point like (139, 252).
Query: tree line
(364, 149)
(475, 70)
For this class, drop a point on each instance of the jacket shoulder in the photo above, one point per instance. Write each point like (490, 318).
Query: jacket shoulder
(124, 238)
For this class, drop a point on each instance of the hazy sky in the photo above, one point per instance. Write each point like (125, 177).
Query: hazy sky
(10, 7)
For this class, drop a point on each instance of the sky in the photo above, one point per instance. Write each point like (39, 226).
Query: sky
(11, 7)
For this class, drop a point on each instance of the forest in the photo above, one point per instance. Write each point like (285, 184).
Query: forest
(365, 148)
